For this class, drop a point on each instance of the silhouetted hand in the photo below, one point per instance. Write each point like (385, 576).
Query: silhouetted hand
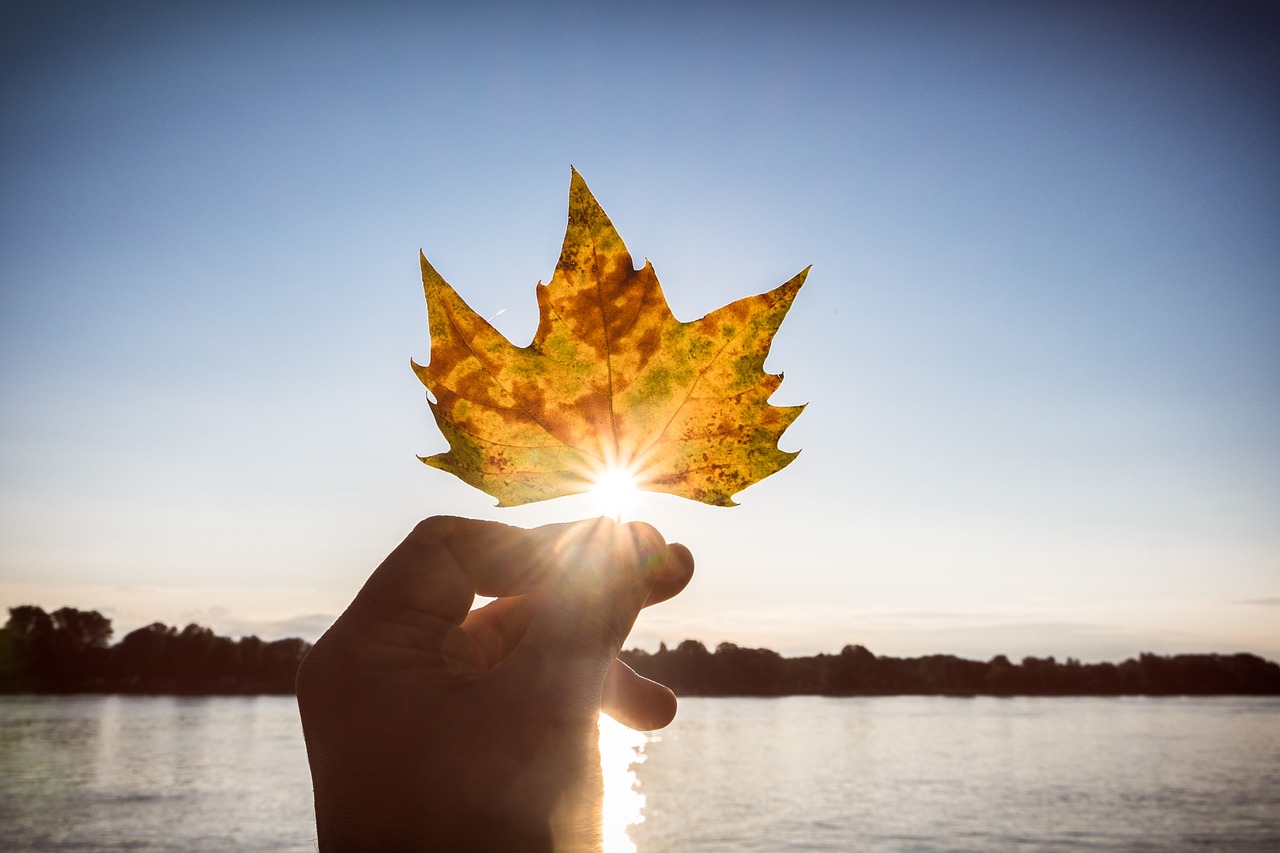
(431, 726)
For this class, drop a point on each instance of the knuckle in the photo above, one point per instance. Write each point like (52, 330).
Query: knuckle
(433, 529)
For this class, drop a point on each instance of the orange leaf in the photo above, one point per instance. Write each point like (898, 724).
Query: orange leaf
(611, 380)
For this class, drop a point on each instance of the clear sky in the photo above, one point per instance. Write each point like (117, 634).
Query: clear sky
(1040, 343)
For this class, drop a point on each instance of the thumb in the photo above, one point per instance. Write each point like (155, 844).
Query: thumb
(606, 572)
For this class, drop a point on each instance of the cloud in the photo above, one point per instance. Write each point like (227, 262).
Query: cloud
(1274, 601)
(308, 626)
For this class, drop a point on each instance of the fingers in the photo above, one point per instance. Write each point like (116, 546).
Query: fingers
(636, 701)
(501, 560)
(445, 561)
(674, 576)
(587, 611)
(501, 624)
(577, 587)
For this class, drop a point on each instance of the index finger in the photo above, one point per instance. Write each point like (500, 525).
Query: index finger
(446, 561)
(500, 625)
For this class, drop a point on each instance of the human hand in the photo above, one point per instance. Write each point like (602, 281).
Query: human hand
(433, 726)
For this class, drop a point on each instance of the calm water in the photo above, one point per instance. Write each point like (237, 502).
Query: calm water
(802, 773)
(153, 773)
(981, 774)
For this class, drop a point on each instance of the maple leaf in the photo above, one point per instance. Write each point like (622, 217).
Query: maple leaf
(611, 380)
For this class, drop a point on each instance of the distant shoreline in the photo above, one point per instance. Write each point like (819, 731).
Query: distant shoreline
(290, 695)
(690, 669)
(67, 653)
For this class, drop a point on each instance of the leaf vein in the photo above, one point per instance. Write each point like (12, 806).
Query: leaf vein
(662, 436)
(466, 343)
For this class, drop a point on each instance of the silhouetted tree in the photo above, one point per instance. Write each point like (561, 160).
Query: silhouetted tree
(29, 641)
(280, 663)
(143, 659)
(67, 651)
(57, 652)
(79, 647)
(731, 670)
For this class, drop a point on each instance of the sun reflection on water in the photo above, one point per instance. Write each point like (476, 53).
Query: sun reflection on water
(621, 749)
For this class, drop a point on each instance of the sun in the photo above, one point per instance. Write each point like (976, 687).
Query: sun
(614, 493)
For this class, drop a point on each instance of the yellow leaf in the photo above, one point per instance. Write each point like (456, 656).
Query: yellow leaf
(611, 380)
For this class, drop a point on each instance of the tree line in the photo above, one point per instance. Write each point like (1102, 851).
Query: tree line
(690, 669)
(69, 651)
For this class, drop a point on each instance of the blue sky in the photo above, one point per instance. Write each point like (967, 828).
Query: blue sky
(1040, 343)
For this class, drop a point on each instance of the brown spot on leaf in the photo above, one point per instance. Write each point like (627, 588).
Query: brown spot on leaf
(610, 373)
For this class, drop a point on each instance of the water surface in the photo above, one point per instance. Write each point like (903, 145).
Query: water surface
(153, 773)
(973, 774)
(96, 773)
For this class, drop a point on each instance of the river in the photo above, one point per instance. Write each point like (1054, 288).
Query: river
(94, 773)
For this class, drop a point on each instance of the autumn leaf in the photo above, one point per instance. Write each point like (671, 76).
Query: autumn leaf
(611, 381)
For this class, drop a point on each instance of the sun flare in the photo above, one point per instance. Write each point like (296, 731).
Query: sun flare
(614, 493)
